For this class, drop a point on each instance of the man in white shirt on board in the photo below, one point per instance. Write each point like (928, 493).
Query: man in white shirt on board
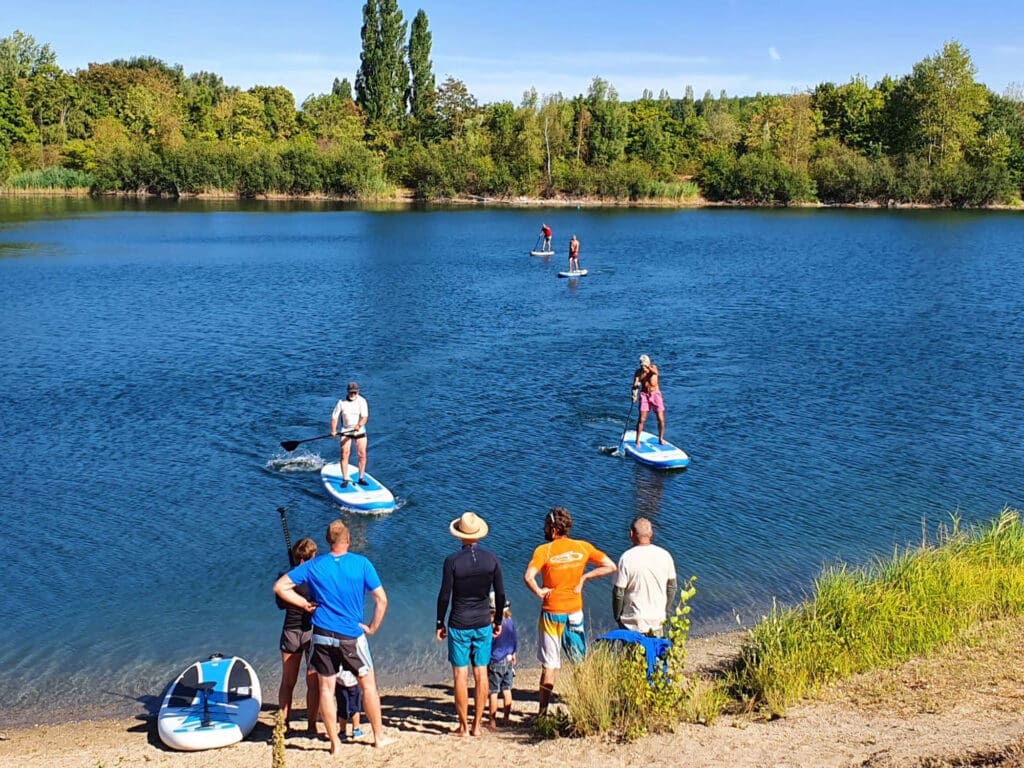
(354, 413)
(645, 583)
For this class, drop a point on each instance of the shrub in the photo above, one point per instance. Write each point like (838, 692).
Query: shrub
(609, 692)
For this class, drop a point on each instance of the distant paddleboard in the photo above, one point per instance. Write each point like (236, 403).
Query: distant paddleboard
(372, 498)
(211, 704)
(542, 253)
(573, 273)
(652, 453)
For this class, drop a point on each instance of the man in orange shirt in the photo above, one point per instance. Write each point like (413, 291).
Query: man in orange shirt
(562, 564)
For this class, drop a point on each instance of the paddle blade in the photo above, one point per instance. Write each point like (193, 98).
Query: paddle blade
(290, 445)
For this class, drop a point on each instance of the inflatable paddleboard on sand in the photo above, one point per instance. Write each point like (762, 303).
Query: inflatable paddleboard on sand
(652, 453)
(372, 498)
(211, 704)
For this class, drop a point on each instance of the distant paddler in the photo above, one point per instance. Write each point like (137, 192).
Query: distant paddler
(545, 232)
(574, 254)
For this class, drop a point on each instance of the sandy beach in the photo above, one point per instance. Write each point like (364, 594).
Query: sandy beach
(957, 708)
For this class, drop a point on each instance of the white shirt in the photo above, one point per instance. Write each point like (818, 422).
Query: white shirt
(351, 411)
(644, 570)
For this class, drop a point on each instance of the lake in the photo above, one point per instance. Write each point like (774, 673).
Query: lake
(844, 381)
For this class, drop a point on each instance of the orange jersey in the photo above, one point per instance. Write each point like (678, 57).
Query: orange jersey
(561, 564)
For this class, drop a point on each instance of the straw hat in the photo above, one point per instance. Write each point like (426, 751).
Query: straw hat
(468, 527)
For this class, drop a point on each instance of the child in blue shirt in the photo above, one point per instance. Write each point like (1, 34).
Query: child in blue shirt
(501, 669)
(350, 704)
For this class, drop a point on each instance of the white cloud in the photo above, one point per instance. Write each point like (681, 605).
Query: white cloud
(773, 54)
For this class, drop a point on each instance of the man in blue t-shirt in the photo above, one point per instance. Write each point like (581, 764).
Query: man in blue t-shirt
(338, 582)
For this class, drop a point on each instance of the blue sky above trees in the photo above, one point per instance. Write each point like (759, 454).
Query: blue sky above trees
(500, 49)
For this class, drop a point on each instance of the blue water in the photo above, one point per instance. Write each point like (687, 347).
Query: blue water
(839, 378)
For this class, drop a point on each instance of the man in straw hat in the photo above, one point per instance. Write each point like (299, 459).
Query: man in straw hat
(467, 579)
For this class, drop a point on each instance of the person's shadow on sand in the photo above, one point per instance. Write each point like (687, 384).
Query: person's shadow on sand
(426, 714)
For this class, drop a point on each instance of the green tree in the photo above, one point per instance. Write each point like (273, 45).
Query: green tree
(422, 90)
(342, 89)
(51, 97)
(1006, 115)
(383, 78)
(16, 126)
(21, 57)
(948, 103)
(851, 113)
(332, 119)
(278, 110)
(455, 105)
(609, 130)
(239, 118)
(174, 74)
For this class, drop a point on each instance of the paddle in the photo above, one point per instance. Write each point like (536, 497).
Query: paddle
(291, 557)
(287, 536)
(291, 445)
(625, 429)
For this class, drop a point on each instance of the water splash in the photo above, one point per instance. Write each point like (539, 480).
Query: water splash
(302, 462)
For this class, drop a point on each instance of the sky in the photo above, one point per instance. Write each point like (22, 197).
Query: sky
(502, 49)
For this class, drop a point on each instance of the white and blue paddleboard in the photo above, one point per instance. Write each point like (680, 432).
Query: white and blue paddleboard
(372, 498)
(542, 253)
(211, 704)
(573, 273)
(652, 453)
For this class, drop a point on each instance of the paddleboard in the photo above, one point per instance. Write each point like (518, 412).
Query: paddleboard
(542, 253)
(652, 453)
(211, 704)
(371, 498)
(573, 273)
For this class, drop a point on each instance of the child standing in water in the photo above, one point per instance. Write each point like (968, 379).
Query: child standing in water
(501, 669)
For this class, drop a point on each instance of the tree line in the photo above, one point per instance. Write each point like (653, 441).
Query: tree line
(139, 125)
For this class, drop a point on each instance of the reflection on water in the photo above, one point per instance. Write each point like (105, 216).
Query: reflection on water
(650, 487)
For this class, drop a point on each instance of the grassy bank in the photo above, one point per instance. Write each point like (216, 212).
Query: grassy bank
(883, 614)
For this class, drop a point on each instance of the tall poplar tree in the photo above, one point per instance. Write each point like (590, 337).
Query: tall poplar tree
(422, 93)
(383, 78)
(368, 77)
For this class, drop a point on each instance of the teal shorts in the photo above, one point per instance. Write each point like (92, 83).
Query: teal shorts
(469, 647)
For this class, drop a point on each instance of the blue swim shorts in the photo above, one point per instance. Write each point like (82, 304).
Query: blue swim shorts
(469, 647)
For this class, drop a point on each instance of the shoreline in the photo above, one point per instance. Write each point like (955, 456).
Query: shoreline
(942, 711)
(404, 198)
